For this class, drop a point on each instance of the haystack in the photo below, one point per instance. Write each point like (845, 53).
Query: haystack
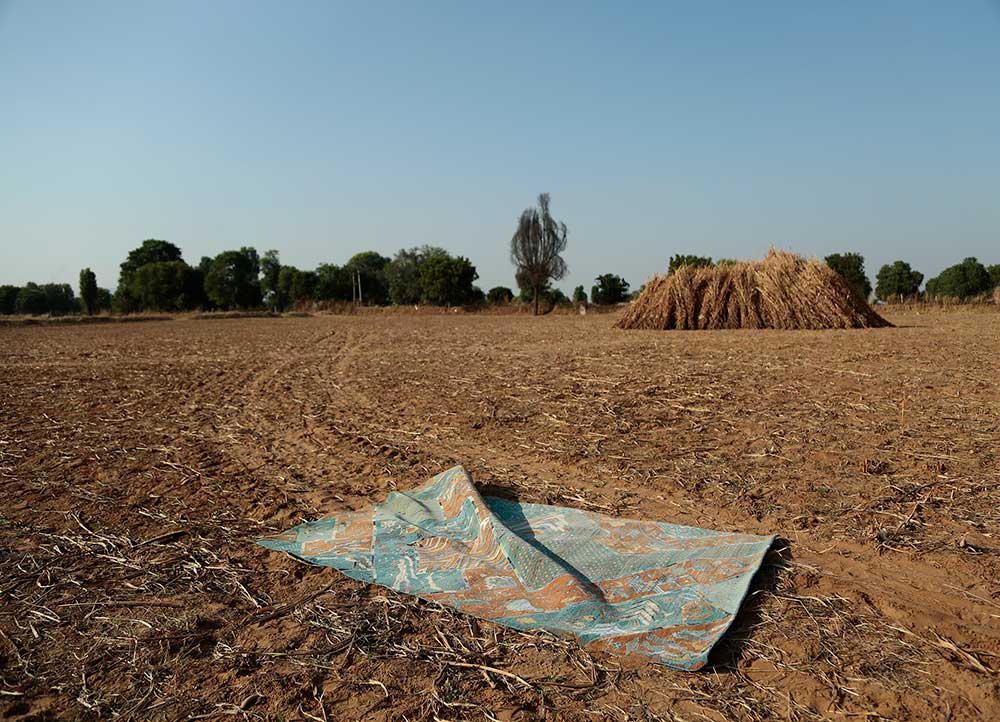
(782, 291)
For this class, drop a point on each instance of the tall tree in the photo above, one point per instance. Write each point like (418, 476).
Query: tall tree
(897, 281)
(152, 250)
(852, 267)
(536, 246)
(88, 291)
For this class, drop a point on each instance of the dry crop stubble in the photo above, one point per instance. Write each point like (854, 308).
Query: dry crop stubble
(140, 462)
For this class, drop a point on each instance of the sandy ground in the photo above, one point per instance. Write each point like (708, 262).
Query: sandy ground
(140, 461)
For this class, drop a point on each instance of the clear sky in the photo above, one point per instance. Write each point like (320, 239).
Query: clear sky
(322, 129)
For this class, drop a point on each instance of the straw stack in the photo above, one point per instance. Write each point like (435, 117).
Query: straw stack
(782, 291)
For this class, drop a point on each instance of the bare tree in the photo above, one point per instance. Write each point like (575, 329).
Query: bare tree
(536, 245)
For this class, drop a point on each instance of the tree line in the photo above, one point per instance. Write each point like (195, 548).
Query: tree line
(155, 277)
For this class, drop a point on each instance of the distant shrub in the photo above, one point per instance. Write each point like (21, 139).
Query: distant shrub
(557, 298)
(686, 260)
(609, 289)
(994, 273)
(499, 296)
(103, 302)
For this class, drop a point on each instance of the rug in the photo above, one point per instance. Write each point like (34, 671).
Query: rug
(627, 586)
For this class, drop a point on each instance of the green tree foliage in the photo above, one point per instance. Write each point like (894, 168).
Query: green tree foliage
(294, 287)
(282, 297)
(152, 250)
(103, 302)
(994, 273)
(579, 295)
(371, 267)
(88, 291)
(548, 296)
(499, 296)
(897, 281)
(557, 298)
(333, 283)
(964, 280)
(447, 280)
(403, 273)
(726, 262)
(525, 292)
(8, 299)
(59, 298)
(167, 286)
(536, 248)
(852, 267)
(687, 260)
(31, 300)
(232, 279)
(609, 289)
(270, 267)
(303, 286)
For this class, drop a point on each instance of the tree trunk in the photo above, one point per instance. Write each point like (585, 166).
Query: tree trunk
(535, 290)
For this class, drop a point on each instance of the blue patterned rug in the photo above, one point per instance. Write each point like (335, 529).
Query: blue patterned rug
(663, 591)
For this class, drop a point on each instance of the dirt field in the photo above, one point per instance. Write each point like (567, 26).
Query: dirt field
(140, 461)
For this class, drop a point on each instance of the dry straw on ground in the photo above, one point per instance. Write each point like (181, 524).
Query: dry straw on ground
(782, 291)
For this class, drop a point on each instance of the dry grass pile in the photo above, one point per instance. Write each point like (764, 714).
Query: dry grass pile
(782, 291)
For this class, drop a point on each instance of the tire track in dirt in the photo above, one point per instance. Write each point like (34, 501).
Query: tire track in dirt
(297, 419)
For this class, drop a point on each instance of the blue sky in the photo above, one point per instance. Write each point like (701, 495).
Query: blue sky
(322, 129)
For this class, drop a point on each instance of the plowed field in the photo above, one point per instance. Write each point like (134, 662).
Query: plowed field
(139, 462)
